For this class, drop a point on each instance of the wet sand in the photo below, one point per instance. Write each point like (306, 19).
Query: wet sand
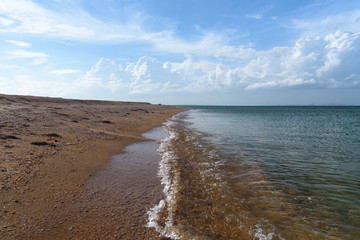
(56, 180)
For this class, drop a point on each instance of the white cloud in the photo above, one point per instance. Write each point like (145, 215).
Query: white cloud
(65, 71)
(23, 84)
(256, 16)
(144, 76)
(6, 21)
(27, 17)
(37, 57)
(346, 21)
(210, 45)
(329, 61)
(71, 21)
(9, 66)
(19, 43)
(68, 22)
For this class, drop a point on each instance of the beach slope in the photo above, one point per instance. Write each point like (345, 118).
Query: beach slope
(51, 149)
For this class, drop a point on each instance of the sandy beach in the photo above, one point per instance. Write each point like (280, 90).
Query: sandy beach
(60, 173)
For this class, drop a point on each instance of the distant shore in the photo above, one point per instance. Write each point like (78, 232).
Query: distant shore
(50, 150)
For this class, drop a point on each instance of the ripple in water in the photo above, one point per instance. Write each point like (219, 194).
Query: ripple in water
(259, 174)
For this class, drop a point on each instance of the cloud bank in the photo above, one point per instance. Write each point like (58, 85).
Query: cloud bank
(331, 61)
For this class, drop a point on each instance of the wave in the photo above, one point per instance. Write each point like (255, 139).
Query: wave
(166, 173)
(199, 201)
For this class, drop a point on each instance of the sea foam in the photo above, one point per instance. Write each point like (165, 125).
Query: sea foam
(168, 158)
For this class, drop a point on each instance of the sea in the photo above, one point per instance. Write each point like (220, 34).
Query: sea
(267, 173)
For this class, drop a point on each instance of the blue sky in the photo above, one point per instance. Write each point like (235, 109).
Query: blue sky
(258, 52)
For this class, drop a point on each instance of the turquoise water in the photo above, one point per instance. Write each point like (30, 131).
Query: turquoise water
(263, 173)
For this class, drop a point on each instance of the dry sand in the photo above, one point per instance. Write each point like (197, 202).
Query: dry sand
(53, 152)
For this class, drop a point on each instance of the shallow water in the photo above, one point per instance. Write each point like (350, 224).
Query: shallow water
(261, 173)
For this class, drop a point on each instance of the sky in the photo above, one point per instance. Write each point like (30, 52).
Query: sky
(206, 52)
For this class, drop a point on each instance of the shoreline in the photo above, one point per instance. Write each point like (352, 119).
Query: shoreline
(120, 195)
(51, 148)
